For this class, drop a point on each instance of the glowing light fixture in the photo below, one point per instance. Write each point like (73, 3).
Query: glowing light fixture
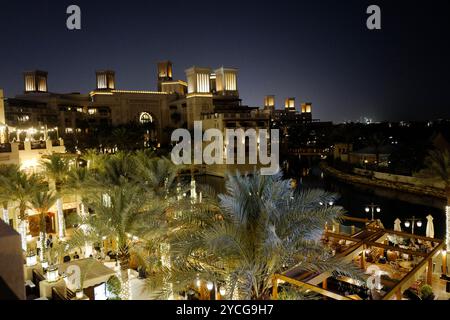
(52, 274)
(31, 260)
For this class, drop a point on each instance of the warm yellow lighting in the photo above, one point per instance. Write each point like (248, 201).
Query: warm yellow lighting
(269, 101)
(203, 82)
(94, 93)
(289, 103)
(222, 291)
(138, 92)
(52, 274)
(210, 285)
(306, 107)
(31, 260)
(201, 95)
(183, 83)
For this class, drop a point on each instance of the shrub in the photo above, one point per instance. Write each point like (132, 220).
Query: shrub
(426, 292)
(114, 286)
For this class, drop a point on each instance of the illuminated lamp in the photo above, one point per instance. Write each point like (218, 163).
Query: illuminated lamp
(52, 274)
(31, 260)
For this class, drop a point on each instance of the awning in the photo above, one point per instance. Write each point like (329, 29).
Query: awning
(93, 272)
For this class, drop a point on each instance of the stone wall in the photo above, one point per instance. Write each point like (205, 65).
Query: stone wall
(369, 178)
(398, 178)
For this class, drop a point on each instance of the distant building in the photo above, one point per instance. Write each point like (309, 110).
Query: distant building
(208, 95)
(341, 151)
(370, 156)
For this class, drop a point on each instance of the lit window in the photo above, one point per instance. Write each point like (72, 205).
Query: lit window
(145, 117)
(92, 111)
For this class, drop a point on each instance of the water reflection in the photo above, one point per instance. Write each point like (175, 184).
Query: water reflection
(355, 198)
(393, 204)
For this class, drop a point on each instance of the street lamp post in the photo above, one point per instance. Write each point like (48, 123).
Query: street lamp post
(412, 222)
(328, 204)
(372, 208)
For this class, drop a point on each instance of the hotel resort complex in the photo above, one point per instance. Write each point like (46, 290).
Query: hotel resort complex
(93, 208)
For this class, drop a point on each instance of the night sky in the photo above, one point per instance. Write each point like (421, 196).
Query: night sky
(317, 51)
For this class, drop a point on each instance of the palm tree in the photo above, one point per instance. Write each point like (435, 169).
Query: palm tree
(76, 183)
(437, 168)
(260, 227)
(42, 201)
(156, 175)
(127, 218)
(7, 172)
(130, 199)
(94, 160)
(22, 187)
(57, 168)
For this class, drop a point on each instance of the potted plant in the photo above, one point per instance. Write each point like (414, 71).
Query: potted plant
(426, 293)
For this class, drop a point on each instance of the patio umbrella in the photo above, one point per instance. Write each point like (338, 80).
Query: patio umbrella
(397, 225)
(430, 227)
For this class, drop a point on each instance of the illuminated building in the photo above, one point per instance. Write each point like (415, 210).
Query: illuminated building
(269, 103)
(165, 73)
(35, 81)
(175, 103)
(106, 80)
(289, 104)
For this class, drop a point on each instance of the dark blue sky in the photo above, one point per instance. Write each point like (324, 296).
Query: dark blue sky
(318, 51)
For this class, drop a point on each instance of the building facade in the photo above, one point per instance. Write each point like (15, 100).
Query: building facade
(208, 95)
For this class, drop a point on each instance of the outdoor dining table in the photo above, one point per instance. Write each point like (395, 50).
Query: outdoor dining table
(406, 265)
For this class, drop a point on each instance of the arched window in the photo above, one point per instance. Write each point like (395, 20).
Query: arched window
(145, 117)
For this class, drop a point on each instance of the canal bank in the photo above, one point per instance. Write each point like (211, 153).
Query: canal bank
(382, 180)
(354, 198)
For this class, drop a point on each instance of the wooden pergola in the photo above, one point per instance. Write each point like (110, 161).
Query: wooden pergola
(361, 241)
